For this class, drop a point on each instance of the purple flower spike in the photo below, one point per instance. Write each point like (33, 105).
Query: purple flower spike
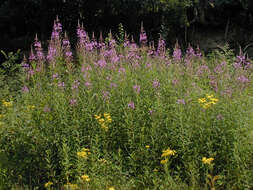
(161, 47)
(143, 36)
(190, 52)
(177, 53)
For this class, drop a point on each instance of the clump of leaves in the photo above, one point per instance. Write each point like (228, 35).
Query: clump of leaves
(10, 78)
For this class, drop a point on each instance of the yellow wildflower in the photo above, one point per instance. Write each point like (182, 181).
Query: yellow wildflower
(107, 115)
(164, 161)
(84, 153)
(168, 152)
(111, 188)
(209, 96)
(207, 105)
(207, 160)
(103, 126)
(85, 178)
(101, 121)
(155, 170)
(48, 184)
(147, 146)
(214, 100)
(97, 116)
(7, 104)
(109, 120)
(202, 100)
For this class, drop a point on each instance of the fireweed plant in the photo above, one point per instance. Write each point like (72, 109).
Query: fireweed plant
(127, 117)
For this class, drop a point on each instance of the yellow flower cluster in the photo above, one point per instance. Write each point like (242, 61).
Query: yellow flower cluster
(6, 104)
(84, 153)
(166, 154)
(111, 188)
(207, 160)
(85, 178)
(71, 186)
(208, 101)
(48, 184)
(104, 121)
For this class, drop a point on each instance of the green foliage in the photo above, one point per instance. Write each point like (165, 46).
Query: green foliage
(100, 140)
(10, 73)
(121, 34)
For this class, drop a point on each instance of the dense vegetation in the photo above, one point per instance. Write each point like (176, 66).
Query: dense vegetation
(117, 115)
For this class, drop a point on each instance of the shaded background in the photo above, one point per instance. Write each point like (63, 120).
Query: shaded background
(208, 23)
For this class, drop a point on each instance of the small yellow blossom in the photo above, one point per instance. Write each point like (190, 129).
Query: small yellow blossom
(101, 121)
(97, 116)
(111, 188)
(206, 105)
(202, 100)
(7, 104)
(85, 178)
(168, 152)
(155, 170)
(84, 153)
(207, 160)
(147, 146)
(48, 184)
(164, 161)
(107, 115)
(209, 96)
(103, 126)
(214, 100)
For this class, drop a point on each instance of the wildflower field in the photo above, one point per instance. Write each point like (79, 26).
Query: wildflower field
(115, 115)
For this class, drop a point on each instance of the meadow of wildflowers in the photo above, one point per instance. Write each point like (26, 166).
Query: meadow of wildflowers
(116, 115)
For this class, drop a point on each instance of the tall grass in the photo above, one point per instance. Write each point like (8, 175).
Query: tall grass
(120, 116)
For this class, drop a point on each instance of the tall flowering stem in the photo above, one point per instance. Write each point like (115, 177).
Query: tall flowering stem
(177, 53)
(54, 48)
(161, 47)
(143, 37)
(67, 51)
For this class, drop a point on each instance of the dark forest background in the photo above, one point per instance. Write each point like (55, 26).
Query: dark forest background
(209, 23)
